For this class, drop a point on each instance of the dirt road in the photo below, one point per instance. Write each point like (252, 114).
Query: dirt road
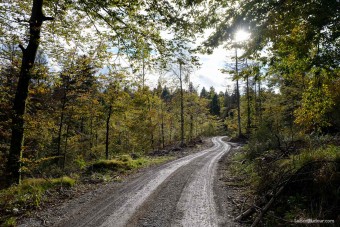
(179, 193)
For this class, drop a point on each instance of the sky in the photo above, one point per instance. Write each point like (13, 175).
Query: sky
(209, 74)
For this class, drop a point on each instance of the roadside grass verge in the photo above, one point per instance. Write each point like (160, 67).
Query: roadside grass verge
(33, 193)
(125, 163)
(30, 194)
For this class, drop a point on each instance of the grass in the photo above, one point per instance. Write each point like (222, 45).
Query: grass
(328, 153)
(26, 196)
(32, 192)
(113, 169)
(125, 163)
(245, 170)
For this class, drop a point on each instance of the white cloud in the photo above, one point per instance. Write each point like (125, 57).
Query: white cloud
(210, 72)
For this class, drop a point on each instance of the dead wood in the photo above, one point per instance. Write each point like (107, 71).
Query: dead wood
(266, 205)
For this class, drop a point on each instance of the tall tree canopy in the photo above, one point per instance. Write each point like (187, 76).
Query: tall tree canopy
(131, 28)
(298, 42)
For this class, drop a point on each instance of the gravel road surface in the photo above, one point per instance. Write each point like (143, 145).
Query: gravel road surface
(179, 193)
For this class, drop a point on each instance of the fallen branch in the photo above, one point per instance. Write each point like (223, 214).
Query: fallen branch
(266, 207)
(251, 210)
(246, 213)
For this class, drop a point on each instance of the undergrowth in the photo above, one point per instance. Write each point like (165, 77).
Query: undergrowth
(26, 196)
(125, 163)
(33, 192)
(310, 175)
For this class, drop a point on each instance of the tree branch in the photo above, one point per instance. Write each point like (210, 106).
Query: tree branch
(47, 18)
(22, 48)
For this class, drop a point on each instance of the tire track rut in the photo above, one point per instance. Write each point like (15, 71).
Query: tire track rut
(179, 193)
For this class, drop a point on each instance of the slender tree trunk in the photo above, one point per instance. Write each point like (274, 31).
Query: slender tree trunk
(96, 143)
(61, 123)
(91, 132)
(65, 146)
(59, 136)
(107, 133)
(196, 131)
(260, 102)
(82, 126)
(170, 131)
(159, 136)
(238, 97)
(152, 141)
(248, 107)
(13, 164)
(191, 126)
(143, 75)
(255, 101)
(182, 104)
(162, 125)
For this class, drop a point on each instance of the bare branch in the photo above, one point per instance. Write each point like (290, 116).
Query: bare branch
(47, 18)
(22, 48)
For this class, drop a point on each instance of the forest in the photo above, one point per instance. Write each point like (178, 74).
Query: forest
(74, 97)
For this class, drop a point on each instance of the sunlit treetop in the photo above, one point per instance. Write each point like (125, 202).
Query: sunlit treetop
(304, 24)
(241, 36)
(132, 28)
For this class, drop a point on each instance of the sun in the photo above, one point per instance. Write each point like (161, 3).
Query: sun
(241, 36)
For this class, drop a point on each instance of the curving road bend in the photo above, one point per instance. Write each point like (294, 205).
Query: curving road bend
(179, 193)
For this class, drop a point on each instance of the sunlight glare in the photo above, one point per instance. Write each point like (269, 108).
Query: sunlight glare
(241, 36)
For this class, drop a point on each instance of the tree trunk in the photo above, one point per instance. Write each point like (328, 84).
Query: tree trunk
(162, 125)
(170, 131)
(152, 141)
(107, 133)
(191, 127)
(196, 131)
(59, 135)
(260, 101)
(61, 123)
(238, 98)
(13, 164)
(65, 146)
(255, 101)
(91, 132)
(248, 107)
(182, 105)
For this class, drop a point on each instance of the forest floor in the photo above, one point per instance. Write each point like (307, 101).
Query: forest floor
(177, 193)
